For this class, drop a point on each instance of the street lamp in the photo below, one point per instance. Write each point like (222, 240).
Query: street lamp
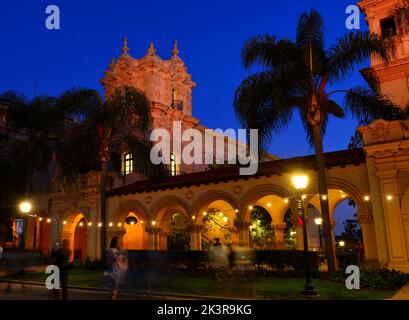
(318, 222)
(300, 182)
(25, 207)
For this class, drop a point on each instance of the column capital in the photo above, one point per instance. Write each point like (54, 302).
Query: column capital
(153, 230)
(279, 227)
(365, 217)
(195, 228)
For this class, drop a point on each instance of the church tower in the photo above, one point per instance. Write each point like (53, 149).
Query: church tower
(389, 19)
(166, 83)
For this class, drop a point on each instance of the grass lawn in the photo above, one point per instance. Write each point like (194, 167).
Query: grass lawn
(262, 287)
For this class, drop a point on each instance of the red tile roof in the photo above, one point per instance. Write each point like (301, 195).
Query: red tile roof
(231, 173)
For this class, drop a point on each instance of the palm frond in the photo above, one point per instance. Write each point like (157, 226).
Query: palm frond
(352, 50)
(267, 52)
(368, 105)
(333, 108)
(260, 103)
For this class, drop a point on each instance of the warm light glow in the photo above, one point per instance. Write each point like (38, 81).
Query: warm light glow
(153, 222)
(110, 224)
(40, 219)
(389, 197)
(81, 224)
(64, 222)
(367, 198)
(251, 207)
(119, 224)
(90, 224)
(343, 196)
(141, 221)
(204, 213)
(303, 197)
(318, 221)
(342, 243)
(221, 214)
(100, 224)
(25, 207)
(300, 182)
(292, 233)
(285, 200)
(193, 217)
(225, 219)
(236, 210)
(48, 220)
(258, 221)
(269, 204)
(324, 197)
(132, 223)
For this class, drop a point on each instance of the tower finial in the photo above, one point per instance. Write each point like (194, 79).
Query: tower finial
(151, 50)
(175, 49)
(125, 48)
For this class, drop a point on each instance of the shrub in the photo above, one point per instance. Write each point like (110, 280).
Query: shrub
(384, 279)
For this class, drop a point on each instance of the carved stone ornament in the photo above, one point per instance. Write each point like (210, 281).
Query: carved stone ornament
(380, 131)
(148, 199)
(237, 189)
(189, 195)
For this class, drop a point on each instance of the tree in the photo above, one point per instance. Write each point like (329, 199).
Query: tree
(100, 131)
(296, 75)
(32, 125)
(261, 230)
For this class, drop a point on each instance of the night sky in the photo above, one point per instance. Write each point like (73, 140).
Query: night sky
(210, 36)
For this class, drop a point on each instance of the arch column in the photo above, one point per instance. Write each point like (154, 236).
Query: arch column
(163, 239)
(153, 238)
(244, 234)
(368, 235)
(196, 237)
(279, 241)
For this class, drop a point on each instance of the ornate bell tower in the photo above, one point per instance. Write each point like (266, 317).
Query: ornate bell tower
(389, 19)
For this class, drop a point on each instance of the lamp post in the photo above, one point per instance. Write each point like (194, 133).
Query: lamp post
(300, 182)
(25, 208)
(318, 222)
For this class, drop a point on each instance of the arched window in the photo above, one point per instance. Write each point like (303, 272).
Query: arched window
(127, 163)
(172, 165)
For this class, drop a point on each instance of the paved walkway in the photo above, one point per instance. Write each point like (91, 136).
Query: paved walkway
(402, 294)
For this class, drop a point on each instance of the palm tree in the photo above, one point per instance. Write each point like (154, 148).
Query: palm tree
(32, 125)
(100, 131)
(296, 75)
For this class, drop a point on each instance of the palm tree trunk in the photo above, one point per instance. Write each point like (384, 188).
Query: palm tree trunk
(103, 188)
(323, 190)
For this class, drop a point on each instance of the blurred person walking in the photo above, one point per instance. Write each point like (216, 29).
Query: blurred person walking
(118, 267)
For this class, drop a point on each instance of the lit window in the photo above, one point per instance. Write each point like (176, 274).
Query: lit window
(127, 163)
(172, 165)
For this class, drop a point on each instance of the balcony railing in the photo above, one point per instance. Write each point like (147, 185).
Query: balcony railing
(176, 104)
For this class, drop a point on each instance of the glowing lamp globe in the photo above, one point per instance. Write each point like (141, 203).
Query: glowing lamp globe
(318, 221)
(25, 207)
(300, 182)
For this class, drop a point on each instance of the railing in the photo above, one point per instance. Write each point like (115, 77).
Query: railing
(177, 104)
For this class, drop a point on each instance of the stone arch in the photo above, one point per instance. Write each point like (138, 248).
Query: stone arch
(205, 199)
(133, 237)
(124, 208)
(163, 211)
(161, 207)
(69, 231)
(253, 195)
(341, 184)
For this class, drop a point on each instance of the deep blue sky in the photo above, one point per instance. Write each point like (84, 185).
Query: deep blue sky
(210, 36)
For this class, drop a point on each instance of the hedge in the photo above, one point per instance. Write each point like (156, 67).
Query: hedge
(264, 260)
